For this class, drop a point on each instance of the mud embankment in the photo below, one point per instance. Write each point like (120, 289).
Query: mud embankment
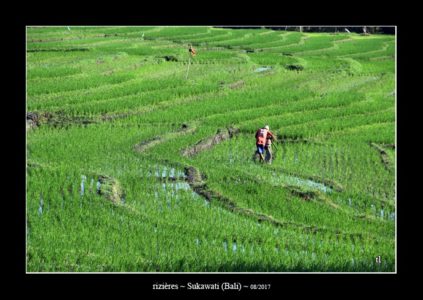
(204, 144)
(146, 144)
(110, 188)
(55, 119)
(386, 161)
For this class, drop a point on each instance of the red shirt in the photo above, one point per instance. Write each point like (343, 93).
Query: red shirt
(263, 136)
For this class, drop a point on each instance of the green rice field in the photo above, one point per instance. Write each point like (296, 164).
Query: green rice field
(139, 156)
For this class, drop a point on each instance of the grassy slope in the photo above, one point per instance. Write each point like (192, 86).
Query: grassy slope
(340, 103)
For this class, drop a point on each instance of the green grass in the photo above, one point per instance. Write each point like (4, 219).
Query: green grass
(100, 91)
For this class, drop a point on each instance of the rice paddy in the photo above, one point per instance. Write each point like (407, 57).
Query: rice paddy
(136, 165)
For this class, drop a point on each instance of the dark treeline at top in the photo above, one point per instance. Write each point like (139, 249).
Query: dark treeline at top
(357, 29)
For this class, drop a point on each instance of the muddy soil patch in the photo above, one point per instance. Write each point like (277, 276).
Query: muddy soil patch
(237, 84)
(293, 67)
(390, 146)
(110, 188)
(58, 50)
(204, 144)
(55, 119)
(147, 144)
(386, 161)
(234, 85)
(305, 195)
(194, 177)
(144, 145)
(111, 117)
(170, 58)
(31, 120)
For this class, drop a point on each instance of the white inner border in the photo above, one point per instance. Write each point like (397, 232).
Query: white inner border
(258, 26)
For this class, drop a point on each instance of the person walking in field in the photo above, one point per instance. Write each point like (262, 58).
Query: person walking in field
(261, 135)
(263, 143)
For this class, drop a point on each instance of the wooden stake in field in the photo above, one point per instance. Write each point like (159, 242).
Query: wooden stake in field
(192, 52)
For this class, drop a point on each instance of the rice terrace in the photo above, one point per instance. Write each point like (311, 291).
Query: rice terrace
(140, 153)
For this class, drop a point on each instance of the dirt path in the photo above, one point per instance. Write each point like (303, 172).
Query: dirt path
(386, 161)
(110, 188)
(55, 119)
(147, 144)
(204, 144)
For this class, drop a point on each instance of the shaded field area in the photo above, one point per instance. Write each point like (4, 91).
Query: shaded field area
(139, 157)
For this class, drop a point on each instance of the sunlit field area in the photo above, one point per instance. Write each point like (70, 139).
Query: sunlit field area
(140, 155)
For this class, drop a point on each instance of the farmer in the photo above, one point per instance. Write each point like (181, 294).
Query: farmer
(262, 137)
(268, 146)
